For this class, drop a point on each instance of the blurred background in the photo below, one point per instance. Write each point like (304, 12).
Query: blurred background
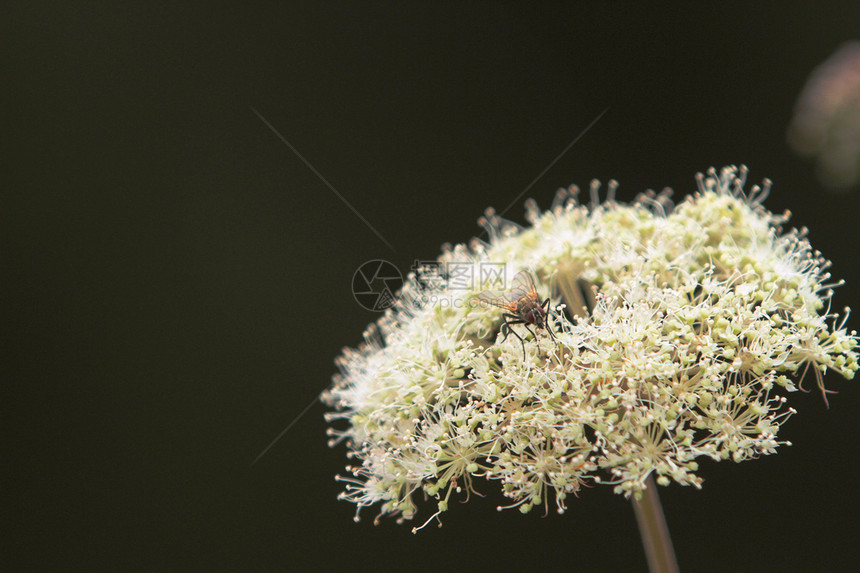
(177, 280)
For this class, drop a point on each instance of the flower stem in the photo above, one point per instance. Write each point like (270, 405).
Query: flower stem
(655, 533)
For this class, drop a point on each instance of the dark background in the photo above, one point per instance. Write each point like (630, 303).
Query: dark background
(177, 281)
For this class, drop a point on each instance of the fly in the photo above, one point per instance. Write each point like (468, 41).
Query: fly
(522, 306)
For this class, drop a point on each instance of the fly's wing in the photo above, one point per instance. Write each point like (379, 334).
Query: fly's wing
(523, 285)
(499, 299)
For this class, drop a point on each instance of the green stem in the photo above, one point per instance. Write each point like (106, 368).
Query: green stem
(655, 533)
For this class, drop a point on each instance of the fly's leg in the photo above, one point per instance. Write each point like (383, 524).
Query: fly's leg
(545, 307)
(507, 329)
(533, 336)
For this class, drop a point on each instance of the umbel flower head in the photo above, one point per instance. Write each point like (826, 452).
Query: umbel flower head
(676, 331)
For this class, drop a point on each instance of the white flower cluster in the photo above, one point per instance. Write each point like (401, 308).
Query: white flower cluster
(677, 330)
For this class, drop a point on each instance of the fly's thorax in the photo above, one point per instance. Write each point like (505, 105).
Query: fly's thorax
(530, 310)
